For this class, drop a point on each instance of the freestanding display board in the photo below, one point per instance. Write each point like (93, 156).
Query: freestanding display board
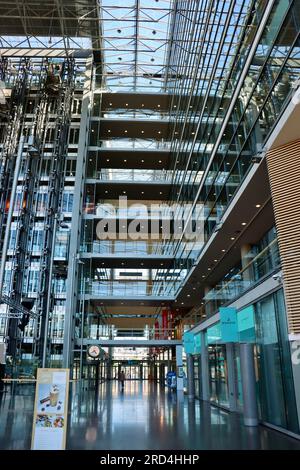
(49, 428)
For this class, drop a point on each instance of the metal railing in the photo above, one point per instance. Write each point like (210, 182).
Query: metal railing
(136, 248)
(131, 289)
(128, 175)
(260, 266)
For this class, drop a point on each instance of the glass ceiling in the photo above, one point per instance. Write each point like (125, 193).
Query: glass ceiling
(136, 36)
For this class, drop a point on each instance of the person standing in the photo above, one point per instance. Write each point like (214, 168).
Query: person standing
(122, 379)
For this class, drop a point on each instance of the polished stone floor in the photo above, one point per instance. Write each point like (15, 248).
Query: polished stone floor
(143, 416)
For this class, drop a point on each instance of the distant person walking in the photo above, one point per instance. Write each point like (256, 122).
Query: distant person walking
(122, 379)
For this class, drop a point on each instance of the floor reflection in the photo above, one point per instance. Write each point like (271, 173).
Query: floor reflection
(142, 416)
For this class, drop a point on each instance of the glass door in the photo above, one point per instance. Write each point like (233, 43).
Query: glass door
(218, 375)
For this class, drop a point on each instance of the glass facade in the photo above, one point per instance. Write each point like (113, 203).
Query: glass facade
(275, 381)
(272, 357)
(168, 105)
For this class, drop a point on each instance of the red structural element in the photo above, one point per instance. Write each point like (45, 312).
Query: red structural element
(156, 328)
(165, 315)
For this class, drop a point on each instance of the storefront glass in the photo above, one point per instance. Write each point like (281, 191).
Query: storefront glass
(276, 390)
(218, 375)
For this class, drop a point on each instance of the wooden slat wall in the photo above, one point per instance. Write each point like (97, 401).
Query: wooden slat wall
(284, 174)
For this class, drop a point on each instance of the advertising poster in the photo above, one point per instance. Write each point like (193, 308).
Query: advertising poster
(49, 428)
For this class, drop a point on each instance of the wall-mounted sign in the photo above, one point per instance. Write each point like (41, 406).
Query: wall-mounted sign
(50, 410)
(246, 324)
(197, 343)
(213, 335)
(188, 342)
(228, 323)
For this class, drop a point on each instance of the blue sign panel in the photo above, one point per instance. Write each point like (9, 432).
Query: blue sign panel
(229, 327)
(188, 342)
(197, 344)
(246, 324)
(214, 334)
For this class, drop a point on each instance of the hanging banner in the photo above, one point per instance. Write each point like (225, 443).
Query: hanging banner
(229, 326)
(49, 428)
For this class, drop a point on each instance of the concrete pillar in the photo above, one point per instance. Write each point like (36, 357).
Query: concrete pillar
(179, 368)
(248, 384)
(190, 377)
(204, 369)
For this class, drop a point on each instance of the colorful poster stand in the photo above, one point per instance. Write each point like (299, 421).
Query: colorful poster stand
(49, 430)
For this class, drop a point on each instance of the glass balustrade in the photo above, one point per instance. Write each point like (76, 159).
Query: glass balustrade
(261, 266)
(130, 289)
(136, 248)
(150, 176)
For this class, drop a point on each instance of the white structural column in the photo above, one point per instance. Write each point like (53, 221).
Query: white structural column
(204, 369)
(249, 384)
(179, 367)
